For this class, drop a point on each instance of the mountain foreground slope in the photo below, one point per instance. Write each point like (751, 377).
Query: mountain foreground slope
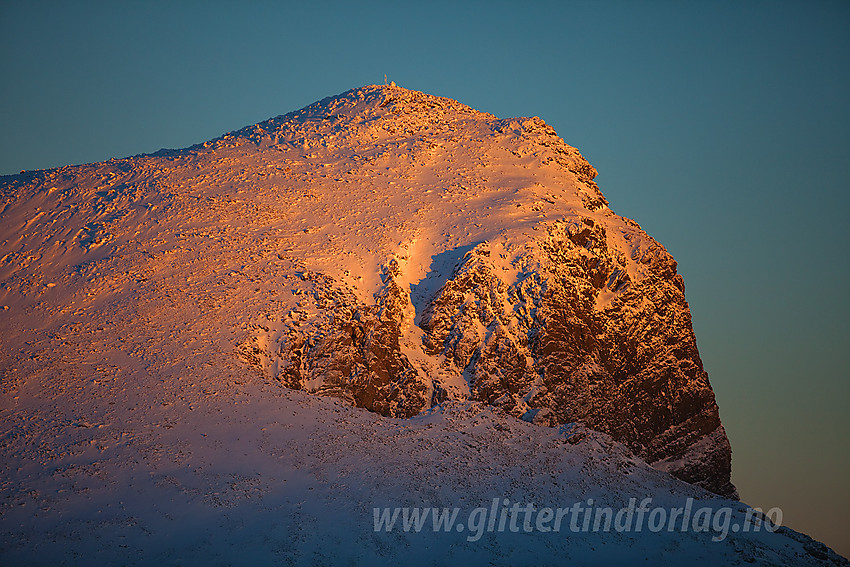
(458, 275)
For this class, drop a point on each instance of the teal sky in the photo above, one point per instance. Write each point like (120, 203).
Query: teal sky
(723, 128)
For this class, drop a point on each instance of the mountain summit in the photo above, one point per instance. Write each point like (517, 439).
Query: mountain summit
(400, 249)
(189, 340)
(458, 256)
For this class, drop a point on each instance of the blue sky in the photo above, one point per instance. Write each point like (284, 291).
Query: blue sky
(723, 128)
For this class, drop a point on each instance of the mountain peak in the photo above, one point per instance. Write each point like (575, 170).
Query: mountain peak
(362, 105)
(396, 250)
(472, 257)
(382, 118)
(459, 274)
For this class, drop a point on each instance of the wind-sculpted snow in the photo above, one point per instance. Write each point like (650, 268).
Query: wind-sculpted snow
(396, 251)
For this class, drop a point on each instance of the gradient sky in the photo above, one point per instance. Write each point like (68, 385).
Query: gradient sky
(723, 128)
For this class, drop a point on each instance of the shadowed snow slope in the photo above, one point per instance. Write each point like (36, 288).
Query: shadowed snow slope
(459, 275)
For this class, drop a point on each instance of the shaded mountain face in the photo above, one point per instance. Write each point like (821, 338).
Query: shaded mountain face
(395, 250)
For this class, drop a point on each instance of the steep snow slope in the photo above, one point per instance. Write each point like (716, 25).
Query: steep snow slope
(389, 248)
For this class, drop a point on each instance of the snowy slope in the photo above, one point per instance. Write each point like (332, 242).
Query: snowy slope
(256, 474)
(392, 250)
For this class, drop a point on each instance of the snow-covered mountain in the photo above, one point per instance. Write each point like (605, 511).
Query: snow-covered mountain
(459, 275)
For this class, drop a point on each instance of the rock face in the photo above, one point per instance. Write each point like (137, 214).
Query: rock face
(357, 357)
(544, 349)
(563, 313)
